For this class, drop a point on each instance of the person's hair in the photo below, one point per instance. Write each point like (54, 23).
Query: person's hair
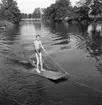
(37, 36)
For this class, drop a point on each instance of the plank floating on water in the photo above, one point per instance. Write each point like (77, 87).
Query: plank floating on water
(50, 74)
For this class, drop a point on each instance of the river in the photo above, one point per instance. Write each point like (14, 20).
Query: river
(69, 46)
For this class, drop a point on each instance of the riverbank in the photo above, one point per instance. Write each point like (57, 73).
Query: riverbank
(4, 24)
(75, 19)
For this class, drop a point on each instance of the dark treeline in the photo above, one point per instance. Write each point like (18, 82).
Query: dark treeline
(58, 11)
(36, 14)
(9, 11)
(25, 15)
(62, 10)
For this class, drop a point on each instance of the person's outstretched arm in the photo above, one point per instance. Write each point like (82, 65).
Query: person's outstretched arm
(43, 48)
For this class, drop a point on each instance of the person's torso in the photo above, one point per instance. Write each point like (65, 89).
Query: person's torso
(38, 44)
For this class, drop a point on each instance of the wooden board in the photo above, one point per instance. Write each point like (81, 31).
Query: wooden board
(50, 74)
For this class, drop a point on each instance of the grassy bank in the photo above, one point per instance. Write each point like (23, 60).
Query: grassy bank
(6, 24)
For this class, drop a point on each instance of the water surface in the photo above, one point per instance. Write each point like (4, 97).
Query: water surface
(67, 44)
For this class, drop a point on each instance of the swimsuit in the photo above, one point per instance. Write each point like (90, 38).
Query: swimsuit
(38, 50)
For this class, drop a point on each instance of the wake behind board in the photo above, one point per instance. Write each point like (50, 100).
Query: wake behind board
(50, 74)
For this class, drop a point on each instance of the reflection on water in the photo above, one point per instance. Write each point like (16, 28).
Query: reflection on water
(55, 37)
(68, 44)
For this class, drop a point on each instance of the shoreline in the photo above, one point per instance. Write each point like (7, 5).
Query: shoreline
(5, 25)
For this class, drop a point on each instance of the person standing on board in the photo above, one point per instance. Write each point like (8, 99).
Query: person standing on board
(38, 49)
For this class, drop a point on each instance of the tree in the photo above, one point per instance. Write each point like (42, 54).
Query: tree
(10, 11)
(96, 7)
(89, 7)
(58, 11)
(82, 12)
(30, 16)
(37, 13)
(24, 15)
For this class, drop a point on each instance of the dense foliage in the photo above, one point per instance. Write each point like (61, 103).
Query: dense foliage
(59, 10)
(62, 9)
(37, 13)
(81, 13)
(26, 16)
(96, 7)
(10, 11)
(90, 8)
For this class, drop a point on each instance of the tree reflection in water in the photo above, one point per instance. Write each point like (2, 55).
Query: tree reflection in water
(94, 46)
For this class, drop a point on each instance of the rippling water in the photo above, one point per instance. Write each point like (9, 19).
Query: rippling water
(66, 43)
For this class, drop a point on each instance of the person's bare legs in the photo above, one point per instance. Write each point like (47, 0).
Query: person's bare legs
(37, 59)
(41, 63)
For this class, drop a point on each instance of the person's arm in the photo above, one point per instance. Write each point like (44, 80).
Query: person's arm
(43, 48)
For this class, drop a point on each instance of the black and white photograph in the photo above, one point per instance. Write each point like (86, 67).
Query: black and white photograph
(50, 52)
